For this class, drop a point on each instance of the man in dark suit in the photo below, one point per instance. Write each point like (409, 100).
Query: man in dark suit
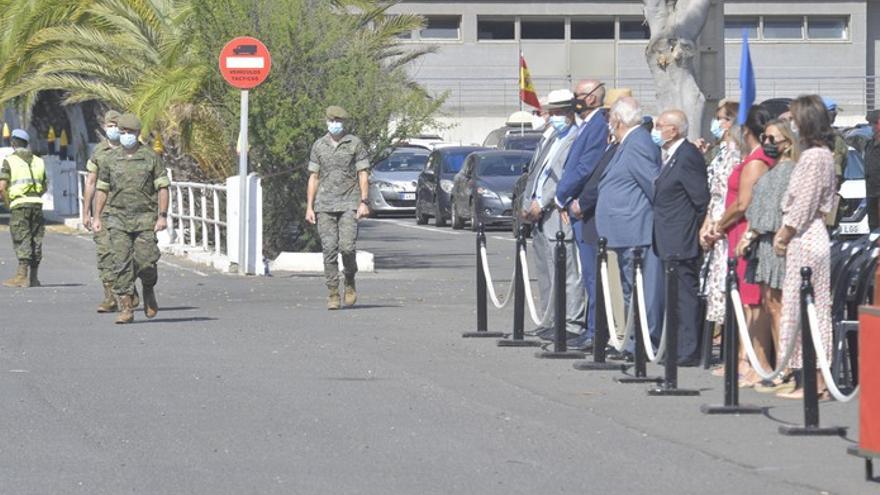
(681, 196)
(592, 137)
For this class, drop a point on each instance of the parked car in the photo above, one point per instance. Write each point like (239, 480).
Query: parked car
(526, 141)
(393, 180)
(518, 188)
(853, 207)
(435, 183)
(483, 190)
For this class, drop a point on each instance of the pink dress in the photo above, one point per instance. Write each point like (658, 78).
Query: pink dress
(810, 196)
(750, 293)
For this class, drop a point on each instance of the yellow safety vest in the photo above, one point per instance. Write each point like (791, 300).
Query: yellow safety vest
(26, 180)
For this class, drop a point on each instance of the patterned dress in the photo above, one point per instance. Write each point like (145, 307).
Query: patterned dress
(719, 171)
(810, 196)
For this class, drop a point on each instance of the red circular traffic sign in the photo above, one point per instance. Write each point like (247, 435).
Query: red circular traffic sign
(245, 62)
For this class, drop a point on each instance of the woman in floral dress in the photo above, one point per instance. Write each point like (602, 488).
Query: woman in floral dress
(803, 237)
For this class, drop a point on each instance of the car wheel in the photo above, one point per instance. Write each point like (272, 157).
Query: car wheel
(421, 219)
(457, 222)
(475, 222)
(439, 220)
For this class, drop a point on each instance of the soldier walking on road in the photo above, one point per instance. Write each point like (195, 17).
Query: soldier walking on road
(23, 182)
(336, 199)
(131, 189)
(101, 158)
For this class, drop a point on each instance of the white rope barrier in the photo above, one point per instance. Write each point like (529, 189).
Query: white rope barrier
(744, 336)
(643, 320)
(618, 344)
(530, 300)
(823, 359)
(490, 285)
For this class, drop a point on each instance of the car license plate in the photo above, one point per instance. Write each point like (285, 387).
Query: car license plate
(852, 228)
(408, 196)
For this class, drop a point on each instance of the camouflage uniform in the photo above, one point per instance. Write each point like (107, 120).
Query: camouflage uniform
(337, 200)
(840, 157)
(26, 223)
(100, 158)
(132, 185)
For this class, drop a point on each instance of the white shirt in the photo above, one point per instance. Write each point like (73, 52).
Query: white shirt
(668, 153)
(545, 167)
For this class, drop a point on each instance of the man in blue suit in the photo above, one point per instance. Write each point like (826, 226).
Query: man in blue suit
(592, 138)
(681, 196)
(624, 211)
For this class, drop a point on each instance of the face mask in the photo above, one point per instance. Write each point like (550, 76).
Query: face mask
(657, 137)
(128, 140)
(794, 128)
(610, 128)
(559, 123)
(334, 127)
(112, 133)
(716, 129)
(771, 150)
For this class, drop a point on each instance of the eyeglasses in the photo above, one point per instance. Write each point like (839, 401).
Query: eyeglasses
(772, 139)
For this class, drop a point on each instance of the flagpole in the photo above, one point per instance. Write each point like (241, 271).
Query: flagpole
(521, 82)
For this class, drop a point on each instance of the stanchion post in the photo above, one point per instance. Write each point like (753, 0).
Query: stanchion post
(482, 298)
(600, 339)
(731, 356)
(707, 334)
(640, 374)
(808, 352)
(673, 320)
(519, 298)
(560, 345)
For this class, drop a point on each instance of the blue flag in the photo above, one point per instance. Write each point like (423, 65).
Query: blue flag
(746, 81)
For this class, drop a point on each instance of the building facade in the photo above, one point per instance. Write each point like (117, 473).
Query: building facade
(796, 47)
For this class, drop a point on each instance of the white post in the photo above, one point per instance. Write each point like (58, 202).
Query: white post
(192, 216)
(204, 218)
(179, 239)
(242, 184)
(216, 222)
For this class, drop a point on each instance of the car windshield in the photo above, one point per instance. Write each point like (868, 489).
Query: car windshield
(855, 166)
(501, 165)
(403, 162)
(453, 160)
(525, 143)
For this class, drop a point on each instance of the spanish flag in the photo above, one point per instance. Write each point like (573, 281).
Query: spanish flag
(526, 89)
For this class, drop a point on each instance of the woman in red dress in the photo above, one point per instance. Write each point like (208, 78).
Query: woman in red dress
(733, 224)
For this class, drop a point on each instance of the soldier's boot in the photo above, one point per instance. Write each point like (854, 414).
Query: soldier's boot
(35, 282)
(126, 313)
(151, 306)
(351, 296)
(108, 305)
(21, 276)
(333, 300)
(136, 298)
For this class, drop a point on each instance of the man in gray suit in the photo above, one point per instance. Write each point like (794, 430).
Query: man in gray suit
(624, 213)
(540, 209)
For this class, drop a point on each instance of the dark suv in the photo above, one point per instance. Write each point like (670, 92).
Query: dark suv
(436, 181)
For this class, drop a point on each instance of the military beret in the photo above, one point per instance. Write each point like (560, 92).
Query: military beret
(129, 121)
(873, 116)
(112, 116)
(334, 112)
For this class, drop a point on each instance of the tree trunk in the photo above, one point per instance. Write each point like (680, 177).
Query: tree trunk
(675, 26)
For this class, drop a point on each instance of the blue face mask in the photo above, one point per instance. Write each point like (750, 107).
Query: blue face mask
(112, 133)
(657, 137)
(559, 123)
(128, 140)
(334, 127)
(716, 129)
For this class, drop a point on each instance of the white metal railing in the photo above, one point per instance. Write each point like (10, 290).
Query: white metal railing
(196, 217)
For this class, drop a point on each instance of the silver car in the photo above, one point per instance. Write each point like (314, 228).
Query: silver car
(393, 180)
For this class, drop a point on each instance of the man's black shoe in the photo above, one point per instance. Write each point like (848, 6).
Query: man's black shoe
(690, 362)
(580, 344)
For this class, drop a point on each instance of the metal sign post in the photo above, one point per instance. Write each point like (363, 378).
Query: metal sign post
(242, 184)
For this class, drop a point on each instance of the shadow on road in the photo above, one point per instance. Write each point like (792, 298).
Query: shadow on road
(55, 286)
(178, 308)
(391, 260)
(373, 306)
(177, 320)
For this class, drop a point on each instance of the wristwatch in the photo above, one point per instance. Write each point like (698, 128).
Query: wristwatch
(163, 214)
(365, 202)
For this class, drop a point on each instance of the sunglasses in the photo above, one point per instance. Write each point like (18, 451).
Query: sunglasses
(772, 139)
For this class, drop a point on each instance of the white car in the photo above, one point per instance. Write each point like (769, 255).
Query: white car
(853, 205)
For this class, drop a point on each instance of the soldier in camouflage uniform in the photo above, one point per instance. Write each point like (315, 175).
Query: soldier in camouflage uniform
(840, 152)
(23, 182)
(337, 198)
(100, 158)
(134, 190)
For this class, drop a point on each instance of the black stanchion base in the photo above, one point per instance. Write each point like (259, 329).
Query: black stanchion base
(812, 431)
(740, 409)
(638, 379)
(869, 457)
(518, 343)
(663, 390)
(560, 355)
(594, 366)
(484, 335)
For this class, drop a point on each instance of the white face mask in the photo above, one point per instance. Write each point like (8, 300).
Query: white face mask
(128, 140)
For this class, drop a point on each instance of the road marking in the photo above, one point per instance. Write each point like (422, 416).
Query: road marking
(186, 269)
(434, 229)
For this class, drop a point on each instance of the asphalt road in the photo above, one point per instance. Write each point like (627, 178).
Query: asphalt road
(248, 385)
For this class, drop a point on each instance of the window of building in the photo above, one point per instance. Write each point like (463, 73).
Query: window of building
(496, 28)
(634, 29)
(783, 28)
(441, 27)
(592, 29)
(734, 26)
(542, 29)
(827, 28)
